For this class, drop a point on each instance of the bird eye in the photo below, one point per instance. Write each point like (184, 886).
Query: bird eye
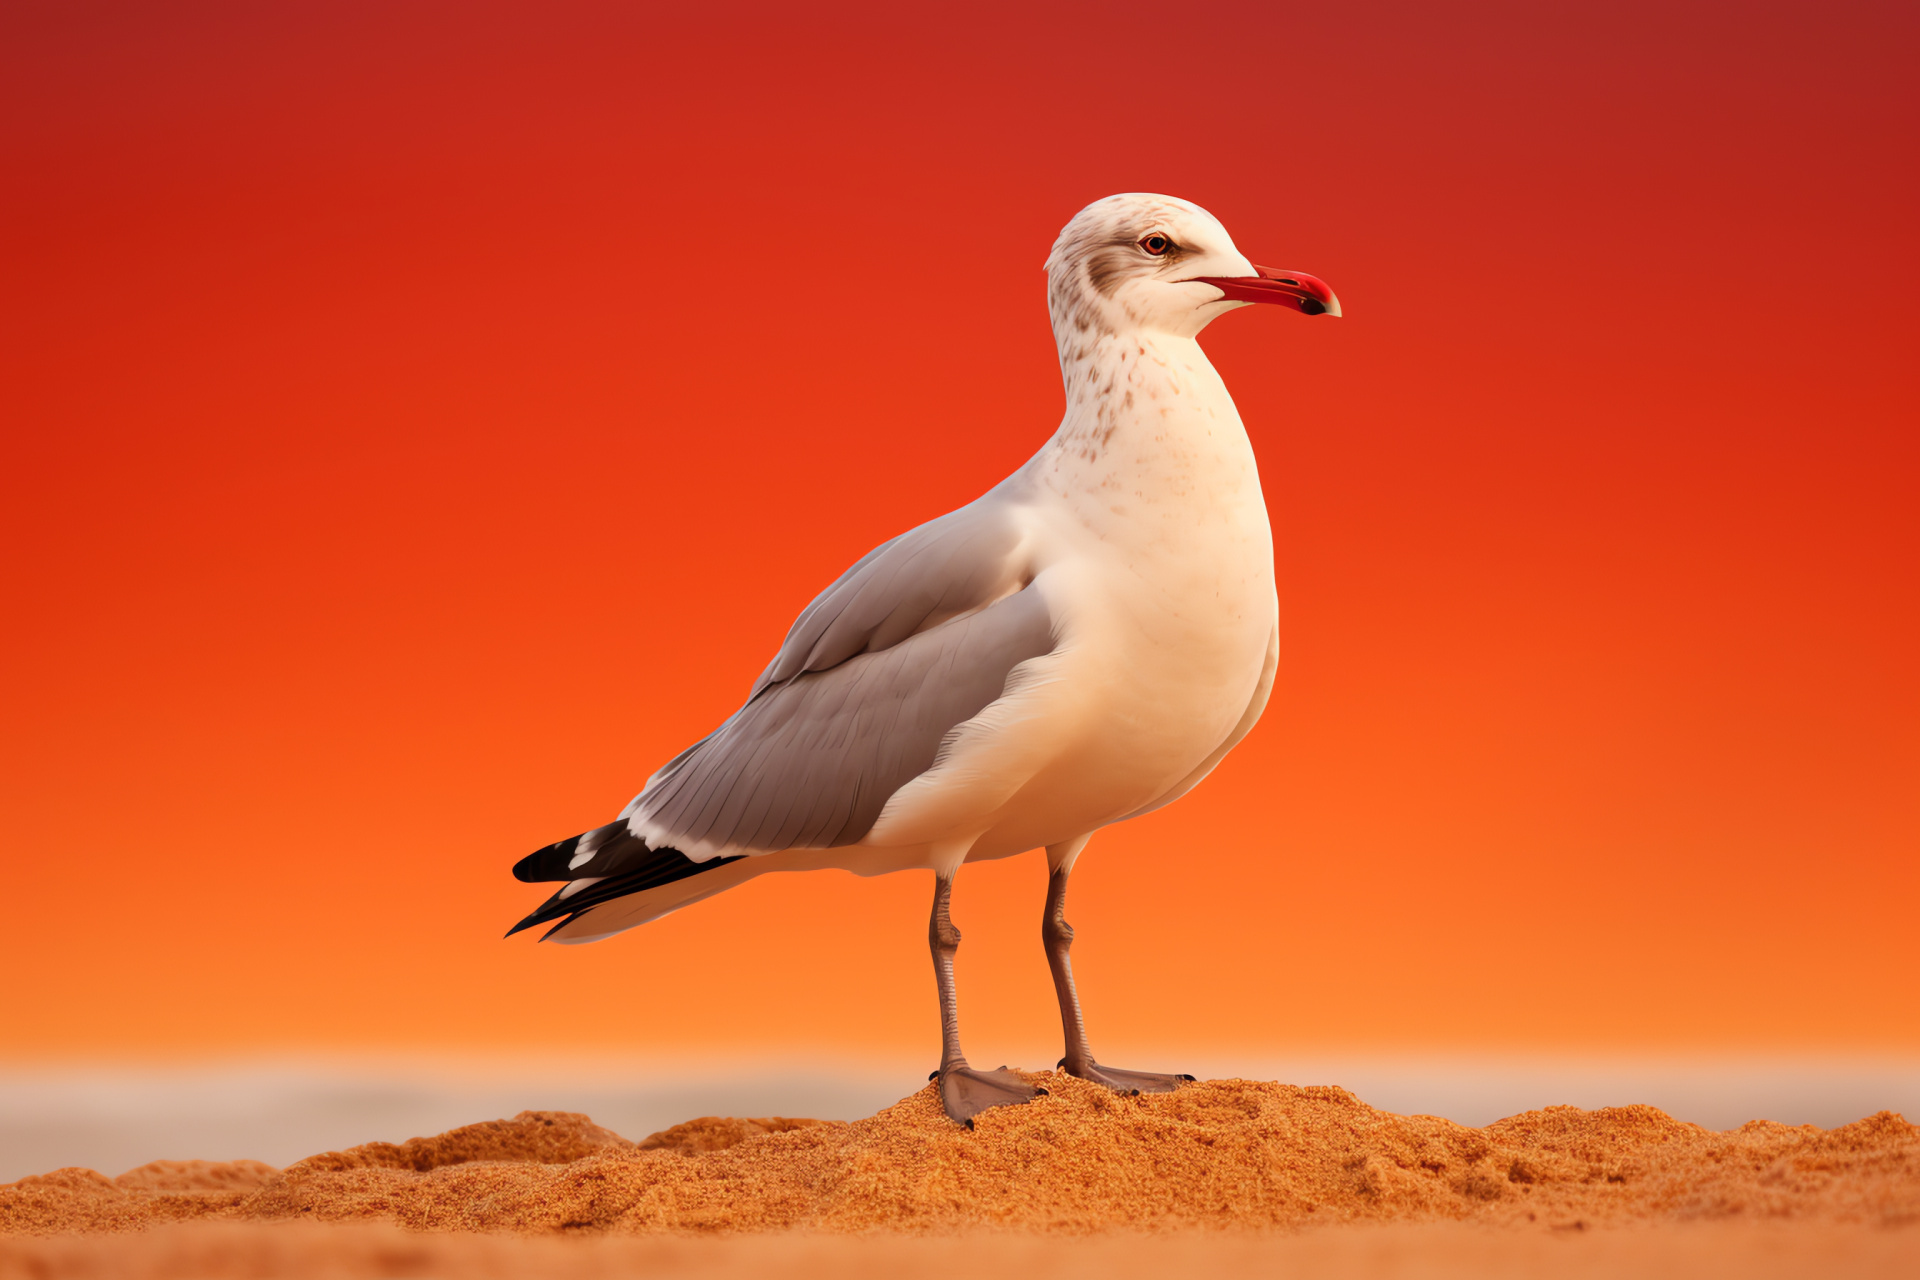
(1156, 244)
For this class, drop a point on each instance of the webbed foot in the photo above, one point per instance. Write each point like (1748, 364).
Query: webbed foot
(965, 1091)
(1120, 1080)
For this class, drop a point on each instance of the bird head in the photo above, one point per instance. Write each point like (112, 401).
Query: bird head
(1156, 263)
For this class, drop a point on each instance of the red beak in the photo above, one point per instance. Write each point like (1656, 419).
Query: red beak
(1309, 295)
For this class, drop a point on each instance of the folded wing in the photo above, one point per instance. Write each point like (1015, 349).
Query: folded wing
(917, 638)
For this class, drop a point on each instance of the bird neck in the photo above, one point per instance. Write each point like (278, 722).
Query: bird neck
(1142, 394)
(1149, 426)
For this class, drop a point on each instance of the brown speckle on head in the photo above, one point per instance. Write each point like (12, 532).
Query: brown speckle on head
(1121, 283)
(1105, 259)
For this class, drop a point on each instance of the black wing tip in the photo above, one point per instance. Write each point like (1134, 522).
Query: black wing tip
(599, 852)
(541, 917)
(563, 924)
(553, 908)
(663, 867)
(549, 863)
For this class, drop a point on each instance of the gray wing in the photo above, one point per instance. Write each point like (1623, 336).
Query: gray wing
(964, 561)
(916, 638)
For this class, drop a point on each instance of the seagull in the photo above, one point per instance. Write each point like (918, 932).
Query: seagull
(1080, 645)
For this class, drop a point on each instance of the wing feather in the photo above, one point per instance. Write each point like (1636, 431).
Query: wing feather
(964, 561)
(811, 760)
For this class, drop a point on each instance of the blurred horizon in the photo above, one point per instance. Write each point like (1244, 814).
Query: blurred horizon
(280, 1108)
(425, 419)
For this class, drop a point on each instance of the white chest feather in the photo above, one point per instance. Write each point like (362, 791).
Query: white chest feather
(1150, 499)
(1145, 531)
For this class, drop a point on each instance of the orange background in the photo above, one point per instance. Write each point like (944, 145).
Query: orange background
(421, 421)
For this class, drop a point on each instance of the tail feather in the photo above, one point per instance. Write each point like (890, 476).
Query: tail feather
(608, 918)
(617, 863)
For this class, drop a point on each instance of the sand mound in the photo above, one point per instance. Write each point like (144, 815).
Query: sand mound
(532, 1137)
(1221, 1154)
(197, 1175)
(717, 1133)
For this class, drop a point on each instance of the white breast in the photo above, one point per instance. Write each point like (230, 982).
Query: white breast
(1166, 590)
(1151, 545)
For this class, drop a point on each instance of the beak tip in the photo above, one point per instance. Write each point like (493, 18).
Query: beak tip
(1306, 294)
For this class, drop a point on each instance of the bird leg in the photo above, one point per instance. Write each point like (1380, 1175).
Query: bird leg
(964, 1092)
(1058, 936)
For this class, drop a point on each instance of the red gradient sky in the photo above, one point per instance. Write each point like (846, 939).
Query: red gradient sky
(421, 421)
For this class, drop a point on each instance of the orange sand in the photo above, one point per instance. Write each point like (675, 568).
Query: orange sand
(360, 1251)
(1222, 1154)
